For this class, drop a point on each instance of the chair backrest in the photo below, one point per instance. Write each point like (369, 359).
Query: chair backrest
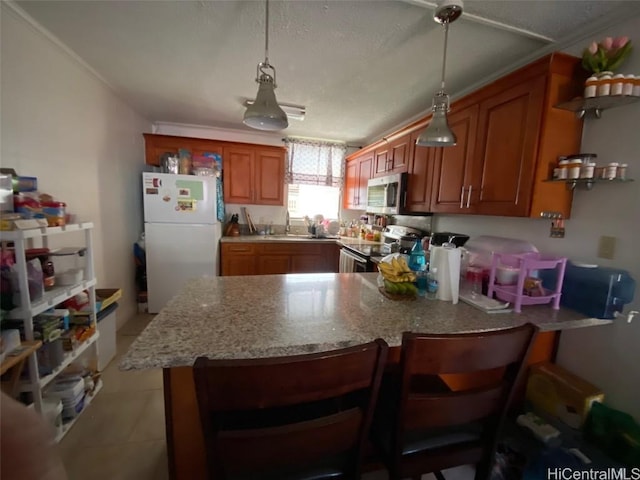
(502, 351)
(278, 413)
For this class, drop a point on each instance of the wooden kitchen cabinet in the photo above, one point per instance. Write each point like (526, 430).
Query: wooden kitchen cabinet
(453, 171)
(358, 171)
(274, 257)
(269, 177)
(420, 176)
(238, 259)
(509, 138)
(393, 157)
(273, 264)
(509, 125)
(253, 175)
(157, 145)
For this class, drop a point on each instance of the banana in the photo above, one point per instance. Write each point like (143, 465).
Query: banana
(403, 265)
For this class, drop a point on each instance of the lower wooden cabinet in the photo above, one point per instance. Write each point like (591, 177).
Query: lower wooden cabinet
(278, 258)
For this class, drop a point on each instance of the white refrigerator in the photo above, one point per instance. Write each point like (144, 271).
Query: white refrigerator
(181, 233)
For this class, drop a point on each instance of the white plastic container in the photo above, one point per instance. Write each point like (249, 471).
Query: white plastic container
(52, 411)
(70, 277)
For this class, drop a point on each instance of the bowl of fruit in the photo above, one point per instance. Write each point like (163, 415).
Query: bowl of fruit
(396, 279)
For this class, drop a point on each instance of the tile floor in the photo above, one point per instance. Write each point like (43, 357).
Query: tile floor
(121, 435)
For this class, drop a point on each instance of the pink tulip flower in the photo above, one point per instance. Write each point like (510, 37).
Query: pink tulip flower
(593, 48)
(607, 43)
(620, 42)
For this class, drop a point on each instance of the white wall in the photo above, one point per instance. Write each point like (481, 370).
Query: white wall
(607, 356)
(62, 124)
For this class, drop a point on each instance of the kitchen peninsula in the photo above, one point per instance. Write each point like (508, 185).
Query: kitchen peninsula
(273, 315)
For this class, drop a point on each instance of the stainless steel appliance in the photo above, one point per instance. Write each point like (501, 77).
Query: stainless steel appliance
(458, 239)
(398, 238)
(356, 259)
(364, 258)
(387, 195)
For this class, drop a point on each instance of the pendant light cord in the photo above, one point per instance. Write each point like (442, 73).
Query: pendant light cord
(444, 55)
(266, 35)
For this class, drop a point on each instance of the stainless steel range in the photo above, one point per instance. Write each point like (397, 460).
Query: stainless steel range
(365, 257)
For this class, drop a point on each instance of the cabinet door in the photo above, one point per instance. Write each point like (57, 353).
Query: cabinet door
(381, 164)
(508, 130)
(351, 185)
(238, 265)
(269, 177)
(453, 166)
(273, 264)
(308, 264)
(239, 172)
(238, 259)
(420, 176)
(399, 153)
(364, 174)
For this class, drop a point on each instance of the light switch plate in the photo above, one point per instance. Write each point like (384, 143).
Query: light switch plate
(607, 247)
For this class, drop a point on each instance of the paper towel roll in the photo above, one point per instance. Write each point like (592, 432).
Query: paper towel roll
(447, 261)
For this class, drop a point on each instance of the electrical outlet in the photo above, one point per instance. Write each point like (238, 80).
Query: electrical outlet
(607, 247)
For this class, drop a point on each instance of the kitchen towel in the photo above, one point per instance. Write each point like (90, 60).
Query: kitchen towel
(447, 261)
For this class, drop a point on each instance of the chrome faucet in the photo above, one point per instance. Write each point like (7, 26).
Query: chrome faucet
(287, 223)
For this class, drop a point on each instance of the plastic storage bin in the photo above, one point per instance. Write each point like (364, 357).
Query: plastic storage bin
(597, 292)
(527, 263)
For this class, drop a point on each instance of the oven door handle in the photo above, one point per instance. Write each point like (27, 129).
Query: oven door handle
(358, 259)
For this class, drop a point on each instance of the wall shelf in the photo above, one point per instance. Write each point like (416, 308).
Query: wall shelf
(596, 104)
(588, 183)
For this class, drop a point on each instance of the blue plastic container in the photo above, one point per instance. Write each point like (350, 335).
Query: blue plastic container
(595, 292)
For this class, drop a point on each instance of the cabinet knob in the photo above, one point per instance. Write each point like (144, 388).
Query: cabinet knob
(469, 195)
(462, 197)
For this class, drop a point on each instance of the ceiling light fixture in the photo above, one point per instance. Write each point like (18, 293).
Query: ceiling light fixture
(294, 112)
(265, 113)
(438, 133)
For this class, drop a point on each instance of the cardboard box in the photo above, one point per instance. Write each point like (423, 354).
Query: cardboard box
(555, 391)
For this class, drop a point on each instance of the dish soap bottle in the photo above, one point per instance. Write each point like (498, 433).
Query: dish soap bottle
(417, 261)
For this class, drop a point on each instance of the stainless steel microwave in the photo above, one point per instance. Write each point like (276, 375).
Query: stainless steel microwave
(387, 195)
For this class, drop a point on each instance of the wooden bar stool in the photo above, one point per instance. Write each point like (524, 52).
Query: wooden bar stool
(296, 417)
(422, 426)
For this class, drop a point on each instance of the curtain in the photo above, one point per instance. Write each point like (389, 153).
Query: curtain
(314, 162)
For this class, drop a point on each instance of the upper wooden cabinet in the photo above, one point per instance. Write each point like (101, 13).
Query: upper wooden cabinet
(508, 129)
(453, 173)
(393, 157)
(421, 162)
(358, 171)
(270, 176)
(157, 145)
(509, 139)
(252, 174)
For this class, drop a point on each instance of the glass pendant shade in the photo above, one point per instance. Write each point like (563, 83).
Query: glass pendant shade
(438, 133)
(265, 113)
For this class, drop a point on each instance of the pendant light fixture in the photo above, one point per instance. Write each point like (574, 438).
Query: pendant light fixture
(265, 113)
(438, 133)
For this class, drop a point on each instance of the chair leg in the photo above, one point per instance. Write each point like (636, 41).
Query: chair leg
(438, 475)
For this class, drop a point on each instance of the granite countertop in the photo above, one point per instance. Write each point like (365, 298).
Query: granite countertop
(272, 315)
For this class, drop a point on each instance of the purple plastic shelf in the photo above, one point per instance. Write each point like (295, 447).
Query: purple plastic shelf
(526, 262)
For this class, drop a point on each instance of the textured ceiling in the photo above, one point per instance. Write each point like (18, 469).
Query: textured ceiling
(359, 67)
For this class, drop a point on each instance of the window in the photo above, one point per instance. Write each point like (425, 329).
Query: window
(314, 174)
